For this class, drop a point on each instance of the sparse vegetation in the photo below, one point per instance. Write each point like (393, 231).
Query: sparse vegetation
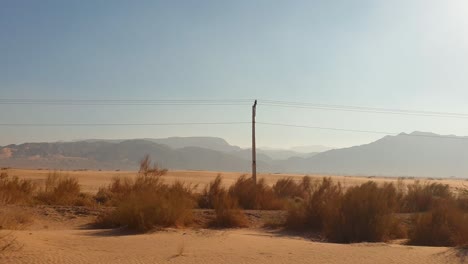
(421, 197)
(15, 191)
(63, 190)
(227, 211)
(365, 213)
(148, 202)
(444, 225)
(254, 196)
(362, 213)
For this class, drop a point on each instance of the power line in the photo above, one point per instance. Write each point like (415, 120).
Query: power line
(117, 124)
(359, 131)
(348, 108)
(123, 102)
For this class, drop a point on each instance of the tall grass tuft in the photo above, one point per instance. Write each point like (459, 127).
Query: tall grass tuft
(254, 196)
(444, 225)
(321, 204)
(211, 193)
(366, 213)
(147, 202)
(63, 190)
(362, 213)
(421, 197)
(15, 191)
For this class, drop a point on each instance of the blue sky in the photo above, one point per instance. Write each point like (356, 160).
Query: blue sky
(391, 54)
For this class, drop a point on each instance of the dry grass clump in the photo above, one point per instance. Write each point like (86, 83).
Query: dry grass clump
(63, 190)
(254, 196)
(321, 205)
(420, 197)
(14, 190)
(362, 213)
(147, 202)
(288, 188)
(444, 225)
(365, 213)
(211, 193)
(227, 211)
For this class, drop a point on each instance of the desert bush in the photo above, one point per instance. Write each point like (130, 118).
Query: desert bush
(15, 191)
(254, 196)
(114, 192)
(144, 209)
(147, 202)
(63, 190)
(287, 188)
(320, 206)
(366, 213)
(362, 213)
(228, 213)
(421, 197)
(444, 225)
(211, 192)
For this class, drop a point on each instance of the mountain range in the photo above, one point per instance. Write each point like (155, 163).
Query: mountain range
(415, 154)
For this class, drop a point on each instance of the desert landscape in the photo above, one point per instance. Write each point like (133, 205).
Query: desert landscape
(57, 232)
(211, 131)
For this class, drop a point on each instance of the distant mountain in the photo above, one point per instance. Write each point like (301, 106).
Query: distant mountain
(282, 154)
(311, 149)
(123, 155)
(415, 154)
(212, 143)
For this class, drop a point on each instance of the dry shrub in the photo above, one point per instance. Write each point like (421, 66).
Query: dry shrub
(288, 188)
(147, 202)
(444, 225)
(14, 190)
(366, 213)
(362, 213)
(320, 206)
(114, 193)
(228, 213)
(254, 196)
(211, 193)
(421, 197)
(63, 190)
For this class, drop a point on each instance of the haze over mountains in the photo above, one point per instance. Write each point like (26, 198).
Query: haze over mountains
(415, 154)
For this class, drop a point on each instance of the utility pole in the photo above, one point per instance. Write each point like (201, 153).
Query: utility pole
(254, 151)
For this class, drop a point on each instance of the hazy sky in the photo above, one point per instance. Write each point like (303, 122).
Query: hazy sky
(391, 54)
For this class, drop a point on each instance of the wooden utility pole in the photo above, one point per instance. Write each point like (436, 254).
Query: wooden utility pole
(254, 151)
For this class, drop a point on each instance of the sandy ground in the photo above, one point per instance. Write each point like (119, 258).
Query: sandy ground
(92, 180)
(208, 246)
(62, 235)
